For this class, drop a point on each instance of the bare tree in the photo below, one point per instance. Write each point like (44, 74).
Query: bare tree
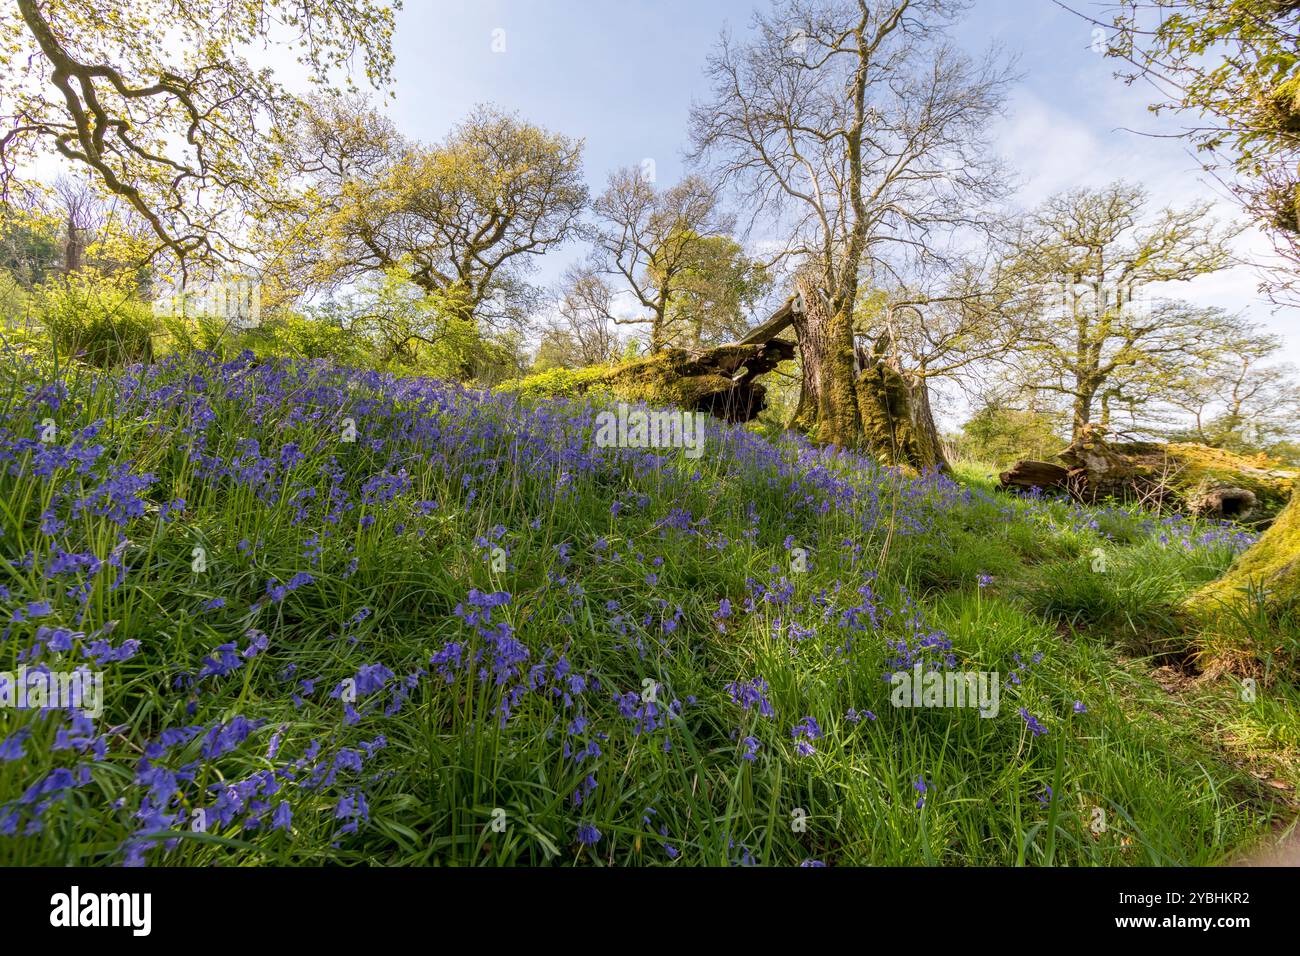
(581, 332)
(1099, 337)
(83, 216)
(649, 238)
(859, 131)
(1234, 397)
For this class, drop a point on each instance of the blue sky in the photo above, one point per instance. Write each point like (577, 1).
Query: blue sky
(622, 75)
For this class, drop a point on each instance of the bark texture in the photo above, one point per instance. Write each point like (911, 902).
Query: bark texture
(828, 399)
(897, 424)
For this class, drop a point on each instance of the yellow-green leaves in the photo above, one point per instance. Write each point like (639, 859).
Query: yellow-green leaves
(159, 102)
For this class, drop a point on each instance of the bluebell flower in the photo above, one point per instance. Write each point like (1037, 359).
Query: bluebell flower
(1032, 723)
(749, 694)
(11, 747)
(808, 727)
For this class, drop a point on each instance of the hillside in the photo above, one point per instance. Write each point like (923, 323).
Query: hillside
(344, 616)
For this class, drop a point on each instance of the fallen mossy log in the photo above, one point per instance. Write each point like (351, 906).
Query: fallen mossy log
(1180, 476)
(1027, 474)
(721, 380)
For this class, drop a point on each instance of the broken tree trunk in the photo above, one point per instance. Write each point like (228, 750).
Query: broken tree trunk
(847, 398)
(1196, 479)
(722, 380)
(927, 430)
(828, 398)
(781, 320)
(897, 423)
(855, 399)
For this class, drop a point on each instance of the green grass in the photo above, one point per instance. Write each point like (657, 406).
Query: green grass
(1173, 787)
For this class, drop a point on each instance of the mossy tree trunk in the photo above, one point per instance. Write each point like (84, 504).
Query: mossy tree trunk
(658, 331)
(897, 422)
(1270, 568)
(861, 402)
(1082, 414)
(828, 399)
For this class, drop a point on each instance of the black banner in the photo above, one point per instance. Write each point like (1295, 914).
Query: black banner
(340, 906)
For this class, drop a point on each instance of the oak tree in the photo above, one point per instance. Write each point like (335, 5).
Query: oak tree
(159, 102)
(1098, 329)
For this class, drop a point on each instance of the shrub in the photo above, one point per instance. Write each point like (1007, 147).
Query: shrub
(190, 333)
(1002, 436)
(95, 317)
(13, 298)
(558, 383)
(289, 334)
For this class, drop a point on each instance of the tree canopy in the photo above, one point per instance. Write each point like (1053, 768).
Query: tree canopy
(1092, 254)
(1231, 70)
(464, 219)
(158, 101)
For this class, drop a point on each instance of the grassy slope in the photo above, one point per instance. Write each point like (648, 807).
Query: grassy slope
(610, 583)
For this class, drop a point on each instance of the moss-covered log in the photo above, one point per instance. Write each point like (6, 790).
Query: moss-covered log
(1180, 476)
(1028, 474)
(721, 380)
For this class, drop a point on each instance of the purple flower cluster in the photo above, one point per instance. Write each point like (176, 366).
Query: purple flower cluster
(751, 693)
(107, 515)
